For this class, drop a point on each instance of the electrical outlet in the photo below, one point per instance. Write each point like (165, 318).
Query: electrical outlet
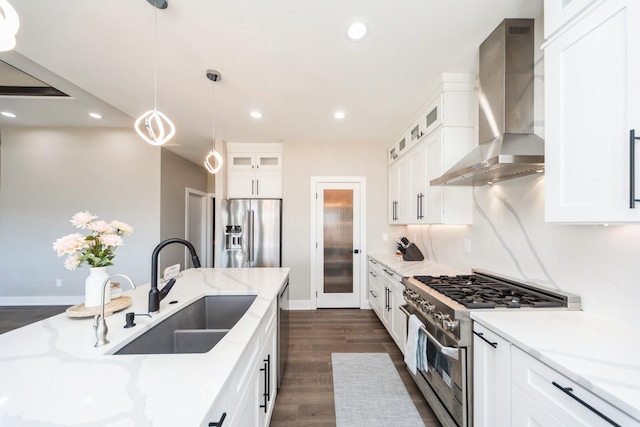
(467, 245)
(385, 237)
(59, 283)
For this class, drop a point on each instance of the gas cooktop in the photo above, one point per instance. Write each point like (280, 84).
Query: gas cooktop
(477, 291)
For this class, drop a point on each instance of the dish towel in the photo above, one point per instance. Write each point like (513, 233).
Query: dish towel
(415, 350)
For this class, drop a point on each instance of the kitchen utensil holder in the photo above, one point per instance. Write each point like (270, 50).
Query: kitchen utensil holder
(412, 253)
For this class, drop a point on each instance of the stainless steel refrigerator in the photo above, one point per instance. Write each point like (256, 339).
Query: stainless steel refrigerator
(252, 233)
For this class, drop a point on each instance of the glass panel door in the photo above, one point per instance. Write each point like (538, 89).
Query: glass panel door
(338, 244)
(338, 241)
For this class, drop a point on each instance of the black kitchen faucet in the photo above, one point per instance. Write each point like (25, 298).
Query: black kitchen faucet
(155, 295)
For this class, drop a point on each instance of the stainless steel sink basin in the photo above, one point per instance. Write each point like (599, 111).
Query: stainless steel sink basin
(197, 328)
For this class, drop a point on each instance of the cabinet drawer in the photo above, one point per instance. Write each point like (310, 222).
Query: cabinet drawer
(543, 383)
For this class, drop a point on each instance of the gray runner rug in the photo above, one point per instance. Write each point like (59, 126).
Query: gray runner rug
(368, 391)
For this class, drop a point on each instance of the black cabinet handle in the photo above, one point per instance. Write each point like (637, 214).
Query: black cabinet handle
(481, 335)
(267, 389)
(632, 168)
(569, 392)
(220, 421)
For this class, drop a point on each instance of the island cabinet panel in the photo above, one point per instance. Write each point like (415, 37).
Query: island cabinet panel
(592, 82)
(376, 295)
(253, 386)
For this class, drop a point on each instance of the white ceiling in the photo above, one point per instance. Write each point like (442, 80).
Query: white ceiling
(288, 59)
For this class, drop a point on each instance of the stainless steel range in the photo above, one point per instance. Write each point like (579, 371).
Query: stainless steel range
(443, 304)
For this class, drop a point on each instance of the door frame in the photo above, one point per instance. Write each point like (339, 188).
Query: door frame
(315, 180)
(206, 256)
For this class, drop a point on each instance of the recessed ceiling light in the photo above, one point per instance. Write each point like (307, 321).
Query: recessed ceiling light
(339, 115)
(256, 114)
(95, 115)
(357, 31)
(8, 114)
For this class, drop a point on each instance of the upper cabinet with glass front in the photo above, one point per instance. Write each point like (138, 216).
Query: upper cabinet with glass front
(254, 170)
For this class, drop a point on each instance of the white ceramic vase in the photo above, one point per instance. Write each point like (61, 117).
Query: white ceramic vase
(93, 287)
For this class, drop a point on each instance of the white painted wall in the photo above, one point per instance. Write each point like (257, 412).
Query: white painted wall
(304, 159)
(47, 175)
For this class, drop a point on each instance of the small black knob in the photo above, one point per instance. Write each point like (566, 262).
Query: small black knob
(130, 320)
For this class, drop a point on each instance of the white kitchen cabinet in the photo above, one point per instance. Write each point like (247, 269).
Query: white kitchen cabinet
(536, 385)
(376, 294)
(441, 135)
(417, 184)
(252, 388)
(448, 204)
(386, 285)
(398, 148)
(253, 184)
(558, 13)
(592, 82)
(399, 192)
(254, 170)
(491, 378)
(394, 320)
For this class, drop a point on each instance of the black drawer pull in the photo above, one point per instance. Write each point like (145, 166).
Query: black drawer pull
(569, 390)
(219, 423)
(481, 335)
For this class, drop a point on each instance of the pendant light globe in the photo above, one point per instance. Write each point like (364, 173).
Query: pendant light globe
(213, 161)
(9, 25)
(154, 127)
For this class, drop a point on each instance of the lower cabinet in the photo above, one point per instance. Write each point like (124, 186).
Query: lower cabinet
(512, 388)
(249, 396)
(385, 297)
(491, 378)
(536, 385)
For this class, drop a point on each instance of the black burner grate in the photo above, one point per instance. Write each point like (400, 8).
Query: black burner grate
(475, 291)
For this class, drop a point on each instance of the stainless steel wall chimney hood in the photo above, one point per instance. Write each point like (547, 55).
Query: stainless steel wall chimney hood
(508, 147)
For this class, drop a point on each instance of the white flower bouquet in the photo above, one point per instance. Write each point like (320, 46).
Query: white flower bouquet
(96, 249)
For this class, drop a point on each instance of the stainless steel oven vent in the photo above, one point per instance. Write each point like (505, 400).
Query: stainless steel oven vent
(507, 148)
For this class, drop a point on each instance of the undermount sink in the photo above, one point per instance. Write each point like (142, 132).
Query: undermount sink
(197, 328)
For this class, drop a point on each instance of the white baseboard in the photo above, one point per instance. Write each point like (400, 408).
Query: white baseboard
(42, 300)
(300, 304)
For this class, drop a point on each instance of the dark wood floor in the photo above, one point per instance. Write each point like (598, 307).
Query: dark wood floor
(16, 317)
(306, 395)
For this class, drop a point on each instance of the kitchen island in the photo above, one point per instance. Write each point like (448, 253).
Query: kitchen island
(53, 375)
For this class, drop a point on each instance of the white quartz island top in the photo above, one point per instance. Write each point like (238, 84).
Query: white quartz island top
(51, 374)
(595, 352)
(414, 268)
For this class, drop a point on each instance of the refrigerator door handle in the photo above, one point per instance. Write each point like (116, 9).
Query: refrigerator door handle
(250, 236)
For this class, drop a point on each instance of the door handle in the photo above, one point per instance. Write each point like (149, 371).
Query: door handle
(356, 251)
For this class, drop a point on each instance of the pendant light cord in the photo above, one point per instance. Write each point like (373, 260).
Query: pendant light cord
(155, 57)
(213, 126)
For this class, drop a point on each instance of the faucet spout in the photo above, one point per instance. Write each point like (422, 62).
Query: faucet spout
(99, 323)
(155, 295)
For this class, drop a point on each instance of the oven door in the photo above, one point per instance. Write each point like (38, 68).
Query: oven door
(445, 370)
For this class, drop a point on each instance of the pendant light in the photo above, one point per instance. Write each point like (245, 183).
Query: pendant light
(9, 25)
(153, 126)
(213, 161)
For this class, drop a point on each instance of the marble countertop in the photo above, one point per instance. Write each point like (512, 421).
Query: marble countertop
(413, 268)
(51, 373)
(595, 352)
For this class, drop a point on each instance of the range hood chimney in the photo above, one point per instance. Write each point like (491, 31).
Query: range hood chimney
(507, 148)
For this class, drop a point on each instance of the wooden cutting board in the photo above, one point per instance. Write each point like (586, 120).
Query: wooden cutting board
(115, 305)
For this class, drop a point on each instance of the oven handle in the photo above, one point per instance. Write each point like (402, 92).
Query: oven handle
(442, 349)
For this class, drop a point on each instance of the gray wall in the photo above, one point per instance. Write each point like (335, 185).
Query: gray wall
(46, 176)
(177, 173)
(304, 159)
